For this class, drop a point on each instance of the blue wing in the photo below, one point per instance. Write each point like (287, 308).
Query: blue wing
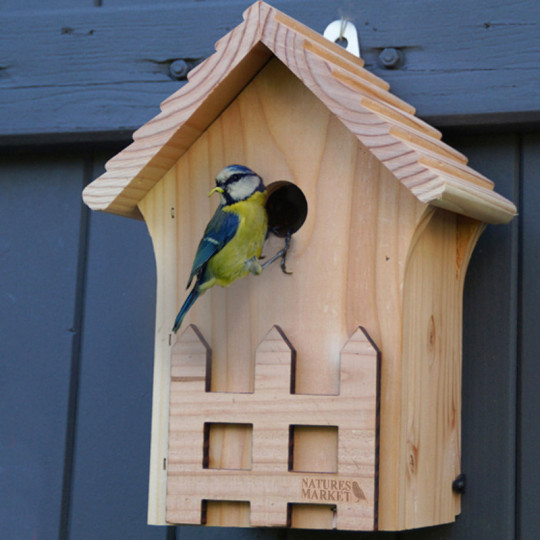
(219, 231)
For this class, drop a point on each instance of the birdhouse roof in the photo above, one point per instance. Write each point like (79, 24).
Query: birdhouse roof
(411, 149)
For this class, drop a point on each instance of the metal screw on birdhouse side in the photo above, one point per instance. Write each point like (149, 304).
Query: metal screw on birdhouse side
(458, 485)
(179, 69)
(391, 58)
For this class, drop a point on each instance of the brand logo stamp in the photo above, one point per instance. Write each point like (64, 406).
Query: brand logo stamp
(331, 490)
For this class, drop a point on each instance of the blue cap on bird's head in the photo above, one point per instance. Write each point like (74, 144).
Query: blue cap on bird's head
(235, 169)
(237, 183)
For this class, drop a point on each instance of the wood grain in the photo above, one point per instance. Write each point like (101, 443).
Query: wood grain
(431, 357)
(350, 268)
(271, 482)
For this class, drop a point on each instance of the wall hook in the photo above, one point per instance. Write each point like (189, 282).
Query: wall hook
(343, 29)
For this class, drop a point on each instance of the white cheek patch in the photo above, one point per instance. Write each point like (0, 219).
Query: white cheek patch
(243, 188)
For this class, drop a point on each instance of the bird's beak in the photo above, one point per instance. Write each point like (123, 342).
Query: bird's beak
(218, 190)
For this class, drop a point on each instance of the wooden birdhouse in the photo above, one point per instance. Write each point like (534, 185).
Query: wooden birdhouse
(331, 397)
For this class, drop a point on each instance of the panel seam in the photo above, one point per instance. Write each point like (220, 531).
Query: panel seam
(75, 365)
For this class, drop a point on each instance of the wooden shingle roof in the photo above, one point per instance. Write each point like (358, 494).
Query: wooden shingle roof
(412, 150)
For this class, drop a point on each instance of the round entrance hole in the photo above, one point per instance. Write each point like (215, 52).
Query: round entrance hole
(286, 206)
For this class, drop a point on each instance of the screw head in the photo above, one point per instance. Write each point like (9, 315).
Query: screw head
(391, 58)
(178, 69)
(459, 484)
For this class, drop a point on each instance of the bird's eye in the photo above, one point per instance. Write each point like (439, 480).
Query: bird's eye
(234, 178)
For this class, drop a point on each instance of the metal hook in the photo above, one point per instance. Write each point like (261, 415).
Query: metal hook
(343, 29)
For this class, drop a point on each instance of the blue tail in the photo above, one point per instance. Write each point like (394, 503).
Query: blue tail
(190, 300)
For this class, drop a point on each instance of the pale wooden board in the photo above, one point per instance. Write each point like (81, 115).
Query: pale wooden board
(272, 480)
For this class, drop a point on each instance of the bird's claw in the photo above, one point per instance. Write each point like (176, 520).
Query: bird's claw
(282, 265)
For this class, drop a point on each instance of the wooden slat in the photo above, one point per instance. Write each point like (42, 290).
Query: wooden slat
(367, 88)
(429, 145)
(338, 58)
(400, 117)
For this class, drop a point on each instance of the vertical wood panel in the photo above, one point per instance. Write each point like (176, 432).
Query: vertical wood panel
(490, 357)
(529, 376)
(40, 213)
(432, 304)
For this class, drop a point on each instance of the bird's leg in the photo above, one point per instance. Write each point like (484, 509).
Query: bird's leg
(281, 253)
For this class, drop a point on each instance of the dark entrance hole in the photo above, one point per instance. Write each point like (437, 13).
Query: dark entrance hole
(286, 206)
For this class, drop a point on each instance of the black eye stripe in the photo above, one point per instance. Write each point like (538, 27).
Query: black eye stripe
(233, 178)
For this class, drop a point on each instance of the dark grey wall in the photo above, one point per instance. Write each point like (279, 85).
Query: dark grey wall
(77, 289)
(72, 67)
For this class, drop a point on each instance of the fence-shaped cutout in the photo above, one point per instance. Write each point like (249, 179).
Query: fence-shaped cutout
(269, 484)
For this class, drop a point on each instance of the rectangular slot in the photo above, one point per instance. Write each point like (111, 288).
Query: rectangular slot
(225, 513)
(311, 516)
(313, 449)
(227, 446)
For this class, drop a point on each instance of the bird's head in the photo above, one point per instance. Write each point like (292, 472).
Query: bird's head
(237, 183)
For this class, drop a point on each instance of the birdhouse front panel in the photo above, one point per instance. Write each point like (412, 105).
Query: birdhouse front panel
(348, 260)
(327, 397)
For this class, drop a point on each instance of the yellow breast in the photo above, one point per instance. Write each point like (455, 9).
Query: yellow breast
(232, 262)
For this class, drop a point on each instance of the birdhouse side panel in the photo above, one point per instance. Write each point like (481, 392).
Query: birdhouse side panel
(432, 336)
(159, 214)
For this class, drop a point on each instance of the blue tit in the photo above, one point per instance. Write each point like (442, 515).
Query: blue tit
(232, 242)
